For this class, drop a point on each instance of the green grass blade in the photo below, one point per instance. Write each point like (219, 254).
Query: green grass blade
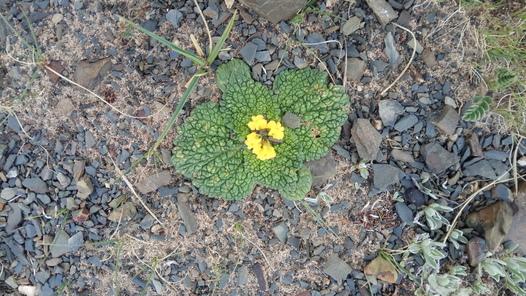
(173, 119)
(188, 54)
(33, 36)
(219, 45)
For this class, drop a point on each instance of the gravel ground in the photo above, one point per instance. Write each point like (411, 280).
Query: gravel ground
(71, 226)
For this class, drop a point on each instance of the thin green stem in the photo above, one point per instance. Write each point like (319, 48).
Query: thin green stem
(221, 42)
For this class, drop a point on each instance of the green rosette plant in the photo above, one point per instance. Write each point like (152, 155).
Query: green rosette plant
(228, 148)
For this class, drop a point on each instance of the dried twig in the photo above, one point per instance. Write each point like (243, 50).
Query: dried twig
(97, 96)
(471, 198)
(206, 26)
(408, 63)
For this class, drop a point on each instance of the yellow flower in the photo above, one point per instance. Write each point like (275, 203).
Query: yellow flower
(266, 152)
(275, 130)
(257, 140)
(258, 122)
(253, 141)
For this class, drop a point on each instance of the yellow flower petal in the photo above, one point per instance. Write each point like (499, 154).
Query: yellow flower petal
(258, 122)
(276, 130)
(253, 140)
(266, 152)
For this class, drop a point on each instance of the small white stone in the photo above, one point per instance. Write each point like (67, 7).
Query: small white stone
(28, 290)
(449, 101)
(57, 18)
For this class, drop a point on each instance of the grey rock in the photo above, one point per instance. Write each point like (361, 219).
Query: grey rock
(84, 187)
(153, 182)
(158, 287)
(366, 138)
(8, 193)
(517, 232)
(186, 215)
(14, 218)
(63, 180)
(437, 158)
(322, 170)
(317, 41)
(123, 213)
(64, 107)
(352, 25)
(46, 291)
(11, 282)
(248, 53)
(415, 196)
(495, 220)
(447, 121)
(13, 124)
(89, 140)
(496, 155)
(44, 198)
(474, 144)
(147, 222)
(35, 184)
(355, 69)
(336, 268)
(382, 10)
(411, 45)
(390, 50)
(476, 249)
(75, 242)
(242, 275)
(78, 4)
(429, 58)
(3, 148)
(42, 276)
(263, 56)
(403, 156)
(300, 62)
(404, 213)
(501, 192)
(389, 111)
(89, 74)
(406, 123)
(78, 169)
(281, 231)
(212, 11)
(291, 120)
(275, 10)
(385, 175)
(31, 232)
(480, 168)
(60, 245)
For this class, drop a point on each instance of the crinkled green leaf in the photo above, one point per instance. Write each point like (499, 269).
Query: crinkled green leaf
(207, 153)
(322, 108)
(210, 149)
(232, 73)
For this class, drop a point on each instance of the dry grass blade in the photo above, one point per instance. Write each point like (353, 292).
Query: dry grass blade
(96, 95)
(471, 198)
(206, 27)
(132, 189)
(197, 47)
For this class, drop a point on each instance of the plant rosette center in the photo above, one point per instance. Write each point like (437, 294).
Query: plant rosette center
(264, 134)
(260, 136)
